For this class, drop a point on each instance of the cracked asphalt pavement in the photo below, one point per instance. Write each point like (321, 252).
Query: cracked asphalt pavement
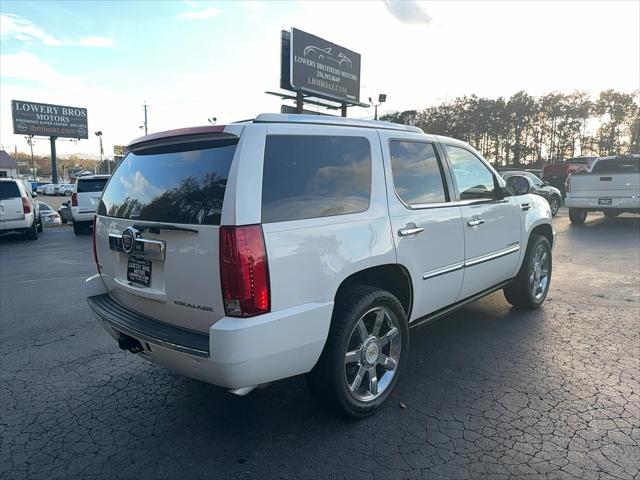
(489, 392)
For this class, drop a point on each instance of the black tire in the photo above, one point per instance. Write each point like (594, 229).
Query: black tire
(554, 203)
(40, 227)
(328, 379)
(611, 214)
(577, 216)
(519, 293)
(80, 228)
(32, 232)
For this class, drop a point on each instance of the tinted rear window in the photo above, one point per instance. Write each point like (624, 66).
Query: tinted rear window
(417, 175)
(9, 190)
(617, 165)
(90, 185)
(175, 184)
(310, 176)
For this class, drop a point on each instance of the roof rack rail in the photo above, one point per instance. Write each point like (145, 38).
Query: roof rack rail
(330, 120)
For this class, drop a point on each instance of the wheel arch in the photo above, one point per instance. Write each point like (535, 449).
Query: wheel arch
(393, 277)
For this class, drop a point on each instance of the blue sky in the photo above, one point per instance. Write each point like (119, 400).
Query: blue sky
(192, 60)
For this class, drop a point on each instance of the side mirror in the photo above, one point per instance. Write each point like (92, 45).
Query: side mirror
(519, 185)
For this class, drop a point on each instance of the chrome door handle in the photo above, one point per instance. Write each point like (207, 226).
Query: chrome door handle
(475, 222)
(410, 230)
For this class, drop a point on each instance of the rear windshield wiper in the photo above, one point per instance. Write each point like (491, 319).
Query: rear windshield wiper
(156, 228)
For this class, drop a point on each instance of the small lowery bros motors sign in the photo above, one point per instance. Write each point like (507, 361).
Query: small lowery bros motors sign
(324, 68)
(31, 118)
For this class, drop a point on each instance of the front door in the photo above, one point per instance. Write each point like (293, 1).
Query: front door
(492, 225)
(426, 225)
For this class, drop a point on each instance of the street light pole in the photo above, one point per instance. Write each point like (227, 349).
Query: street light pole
(99, 135)
(33, 165)
(381, 99)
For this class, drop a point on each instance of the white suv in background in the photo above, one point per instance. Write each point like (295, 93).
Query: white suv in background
(18, 210)
(293, 244)
(84, 201)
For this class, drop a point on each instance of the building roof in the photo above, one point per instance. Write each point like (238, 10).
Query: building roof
(7, 161)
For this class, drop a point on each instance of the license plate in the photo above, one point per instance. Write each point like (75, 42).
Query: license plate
(604, 201)
(139, 271)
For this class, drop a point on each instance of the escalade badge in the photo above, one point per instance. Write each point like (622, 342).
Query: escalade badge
(129, 239)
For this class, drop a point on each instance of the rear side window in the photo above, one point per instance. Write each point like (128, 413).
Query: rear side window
(417, 175)
(9, 190)
(310, 176)
(90, 185)
(617, 165)
(174, 184)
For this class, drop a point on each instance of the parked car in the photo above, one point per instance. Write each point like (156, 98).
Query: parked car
(556, 174)
(551, 194)
(48, 215)
(84, 200)
(50, 189)
(65, 189)
(18, 209)
(41, 188)
(65, 212)
(611, 186)
(536, 171)
(295, 244)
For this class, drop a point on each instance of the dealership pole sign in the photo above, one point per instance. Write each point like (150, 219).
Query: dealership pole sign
(31, 118)
(324, 69)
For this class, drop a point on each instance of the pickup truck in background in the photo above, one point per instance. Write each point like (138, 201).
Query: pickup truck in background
(611, 186)
(557, 173)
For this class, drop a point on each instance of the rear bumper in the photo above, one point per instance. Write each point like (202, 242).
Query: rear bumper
(17, 224)
(83, 216)
(591, 203)
(237, 352)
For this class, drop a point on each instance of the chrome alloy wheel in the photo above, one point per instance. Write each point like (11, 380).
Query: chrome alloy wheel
(539, 279)
(373, 354)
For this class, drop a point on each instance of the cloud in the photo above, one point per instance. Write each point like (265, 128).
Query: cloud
(23, 30)
(408, 11)
(199, 14)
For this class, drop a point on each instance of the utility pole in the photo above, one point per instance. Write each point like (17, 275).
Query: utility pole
(99, 135)
(145, 118)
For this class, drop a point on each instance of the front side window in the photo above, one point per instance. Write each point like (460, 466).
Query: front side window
(310, 176)
(417, 176)
(473, 178)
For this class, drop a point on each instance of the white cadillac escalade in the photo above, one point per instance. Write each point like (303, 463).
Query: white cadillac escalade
(291, 244)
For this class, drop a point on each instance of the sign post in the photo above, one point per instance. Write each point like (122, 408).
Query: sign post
(32, 118)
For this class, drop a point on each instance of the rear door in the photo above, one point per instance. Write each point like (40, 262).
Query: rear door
(88, 193)
(10, 202)
(158, 224)
(426, 224)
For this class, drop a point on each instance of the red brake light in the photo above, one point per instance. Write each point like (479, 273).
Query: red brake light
(74, 199)
(567, 187)
(26, 208)
(95, 251)
(244, 273)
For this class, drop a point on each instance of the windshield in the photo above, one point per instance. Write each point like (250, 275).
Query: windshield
(90, 185)
(9, 190)
(174, 184)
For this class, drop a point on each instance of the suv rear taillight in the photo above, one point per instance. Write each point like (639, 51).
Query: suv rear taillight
(74, 199)
(244, 273)
(567, 184)
(26, 208)
(95, 251)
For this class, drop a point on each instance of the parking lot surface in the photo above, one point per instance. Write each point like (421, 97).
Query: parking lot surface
(489, 392)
